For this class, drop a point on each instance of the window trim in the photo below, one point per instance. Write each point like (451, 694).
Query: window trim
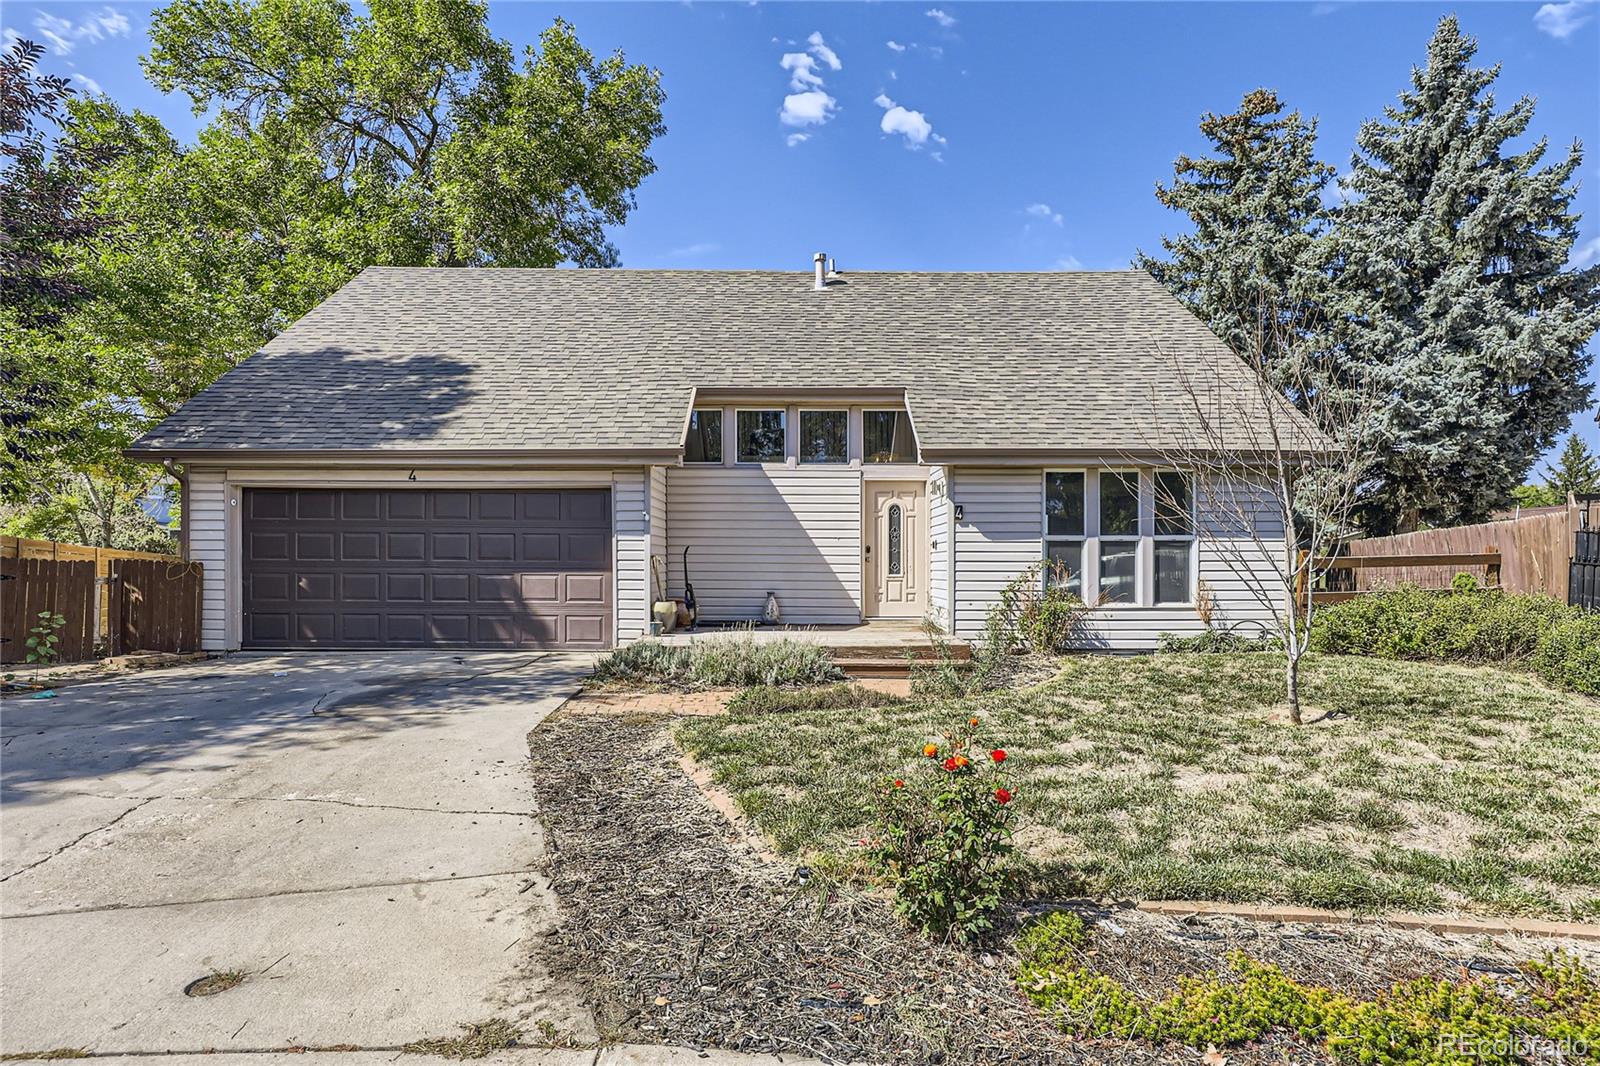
(866, 459)
(1192, 538)
(721, 438)
(800, 431)
(781, 460)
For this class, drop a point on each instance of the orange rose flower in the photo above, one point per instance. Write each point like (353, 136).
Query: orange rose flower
(931, 750)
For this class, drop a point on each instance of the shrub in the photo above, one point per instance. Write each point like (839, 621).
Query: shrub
(1053, 940)
(942, 836)
(734, 662)
(1556, 1004)
(766, 699)
(1486, 625)
(1036, 611)
(1568, 654)
(1215, 640)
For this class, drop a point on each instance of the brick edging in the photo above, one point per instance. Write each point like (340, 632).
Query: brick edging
(1433, 923)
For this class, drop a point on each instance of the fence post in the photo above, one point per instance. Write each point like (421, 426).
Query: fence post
(1491, 570)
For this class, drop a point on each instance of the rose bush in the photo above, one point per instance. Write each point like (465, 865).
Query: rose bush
(941, 835)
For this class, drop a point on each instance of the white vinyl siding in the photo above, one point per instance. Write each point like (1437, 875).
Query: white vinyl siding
(999, 536)
(794, 531)
(1002, 535)
(938, 550)
(207, 522)
(631, 537)
(658, 533)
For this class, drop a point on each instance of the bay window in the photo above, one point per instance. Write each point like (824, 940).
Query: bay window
(1121, 537)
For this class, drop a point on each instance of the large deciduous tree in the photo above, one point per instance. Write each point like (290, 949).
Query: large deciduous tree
(1452, 291)
(1256, 206)
(450, 150)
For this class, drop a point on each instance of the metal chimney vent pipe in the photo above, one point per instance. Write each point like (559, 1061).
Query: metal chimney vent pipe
(818, 261)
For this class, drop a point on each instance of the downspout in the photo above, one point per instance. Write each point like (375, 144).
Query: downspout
(176, 472)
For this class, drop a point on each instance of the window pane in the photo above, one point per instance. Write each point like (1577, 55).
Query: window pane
(894, 540)
(1172, 571)
(888, 437)
(823, 435)
(1174, 507)
(1118, 566)
(761, 436)
(1119, 504)
(705, 437)
(1063, 504)
(1066, 566)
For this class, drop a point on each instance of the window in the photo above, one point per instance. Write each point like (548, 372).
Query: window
(1119, 536)
(1063, 508)
(824, 436)
(761, 436)
(888, 437)
(705, 437)
(1174, 529)
(894, 540)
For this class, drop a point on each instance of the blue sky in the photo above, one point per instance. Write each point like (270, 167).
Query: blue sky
(938, 135)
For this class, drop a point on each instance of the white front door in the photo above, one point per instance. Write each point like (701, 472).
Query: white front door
(896, 549)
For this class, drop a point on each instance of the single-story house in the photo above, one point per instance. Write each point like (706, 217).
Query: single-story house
(523, 458)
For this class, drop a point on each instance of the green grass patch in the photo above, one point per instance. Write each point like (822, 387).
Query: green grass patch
(1166, 777)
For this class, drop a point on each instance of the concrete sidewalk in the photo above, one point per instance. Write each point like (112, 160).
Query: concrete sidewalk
(617, 1055)
(355, 834)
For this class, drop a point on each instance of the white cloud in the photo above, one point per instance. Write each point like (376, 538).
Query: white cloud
(63, 34)
(89, 84)
(895, 46)
(809, 104)
(807, 109)
(1068, 262)
(698, 248)
(941, 18)
(820, 49)
(912, 125)
(1563, 20)
(802, 71)
(1585, 254)
(1043, 211)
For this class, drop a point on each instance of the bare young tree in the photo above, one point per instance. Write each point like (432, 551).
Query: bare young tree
(1279, 453)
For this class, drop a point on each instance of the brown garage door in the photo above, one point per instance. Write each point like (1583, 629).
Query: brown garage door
(418, 568)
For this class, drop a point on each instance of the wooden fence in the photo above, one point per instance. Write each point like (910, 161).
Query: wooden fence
(1535, 550)
(1367, 572)
(155, 604)
(30, 586)
(114, 602)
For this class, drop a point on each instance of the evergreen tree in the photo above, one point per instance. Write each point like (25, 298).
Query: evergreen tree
(1451, 288)
(1256, 205)
(1576, 470)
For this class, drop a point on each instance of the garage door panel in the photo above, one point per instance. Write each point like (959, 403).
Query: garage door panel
(587, 549)
(424, 568)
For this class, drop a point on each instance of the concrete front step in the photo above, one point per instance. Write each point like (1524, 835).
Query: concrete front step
(920, 652)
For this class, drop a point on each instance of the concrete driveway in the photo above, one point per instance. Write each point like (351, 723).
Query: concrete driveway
(355, 833)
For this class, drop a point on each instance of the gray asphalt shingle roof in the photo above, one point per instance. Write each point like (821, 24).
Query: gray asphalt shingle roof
(512, 359)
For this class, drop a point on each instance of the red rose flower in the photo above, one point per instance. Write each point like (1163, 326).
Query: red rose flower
(951, 764)
(899, 783)
(998, 755)
(1002, 796)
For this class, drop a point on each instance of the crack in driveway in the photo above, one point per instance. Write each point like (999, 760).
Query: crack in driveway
(75, 840)
(265, 895)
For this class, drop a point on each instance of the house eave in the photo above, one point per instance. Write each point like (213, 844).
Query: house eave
(412, 457)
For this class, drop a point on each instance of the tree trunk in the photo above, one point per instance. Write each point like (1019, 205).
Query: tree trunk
(1292, 677)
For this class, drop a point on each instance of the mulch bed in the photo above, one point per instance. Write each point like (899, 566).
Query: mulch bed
(681, 935)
